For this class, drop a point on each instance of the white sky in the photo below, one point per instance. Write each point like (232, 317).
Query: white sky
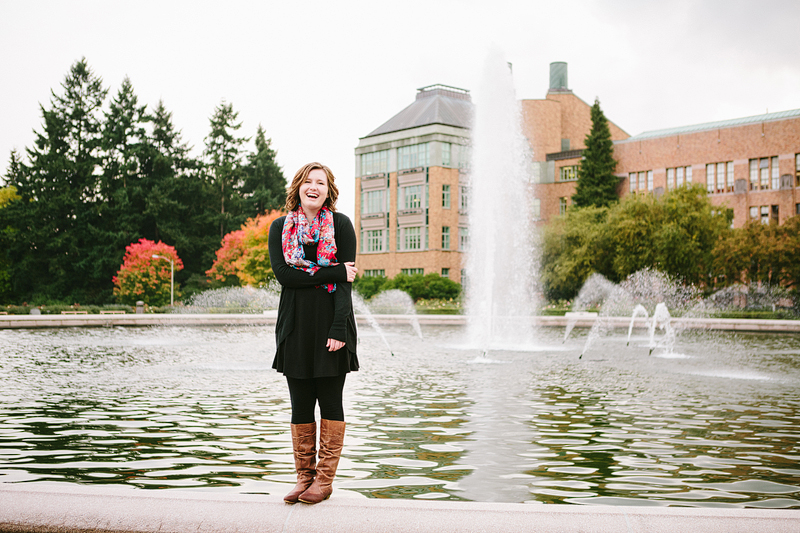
(320, 74)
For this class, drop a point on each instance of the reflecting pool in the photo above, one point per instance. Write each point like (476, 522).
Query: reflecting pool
(715, 422)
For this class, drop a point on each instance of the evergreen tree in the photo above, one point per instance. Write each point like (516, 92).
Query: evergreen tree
(224, 154)
(56, 220)
(264, 186)
(597, 184)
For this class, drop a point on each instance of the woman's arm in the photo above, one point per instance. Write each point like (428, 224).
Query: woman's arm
(294, 278)
(342, 298)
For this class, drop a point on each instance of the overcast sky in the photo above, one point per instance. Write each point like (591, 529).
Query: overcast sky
(317, 75)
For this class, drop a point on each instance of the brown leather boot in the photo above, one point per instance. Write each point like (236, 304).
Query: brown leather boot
(304, 442)
(331, 439)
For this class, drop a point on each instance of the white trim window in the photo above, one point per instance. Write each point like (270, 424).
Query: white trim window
(375, 163)
(373, 241)
(632, 181)
(445, 237)
(415, 155)
(410, 197)
(445, 196)
(373, 202)
(412, 238)
(463, 238)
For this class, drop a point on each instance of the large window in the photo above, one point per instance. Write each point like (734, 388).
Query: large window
(412, 238)
(372, 241)
(563, 203)
(764, 173)
(410, 197)
(446, 196)
(446, 154)
(373, 202)
(463, 238)
(632, 181)
(412, 156)
(649, 180)
(463, 198)
(569, 173)
(775, 168)
(445, 237)
(375, 273)
(719, 177)
(412, 271)
(375, 162)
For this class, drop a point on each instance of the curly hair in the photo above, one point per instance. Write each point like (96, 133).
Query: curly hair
(293, 193)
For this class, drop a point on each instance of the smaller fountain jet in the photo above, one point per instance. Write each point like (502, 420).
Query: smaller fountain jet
(661, 319)
(639, 310)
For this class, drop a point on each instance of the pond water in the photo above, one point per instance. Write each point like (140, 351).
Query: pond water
(716, 422)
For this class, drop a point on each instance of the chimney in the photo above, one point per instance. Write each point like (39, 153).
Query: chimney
(558, 77)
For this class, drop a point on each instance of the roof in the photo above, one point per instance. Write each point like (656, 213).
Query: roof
(767, 117)
(435, 104)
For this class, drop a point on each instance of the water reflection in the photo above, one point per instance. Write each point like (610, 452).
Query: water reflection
(201, 409)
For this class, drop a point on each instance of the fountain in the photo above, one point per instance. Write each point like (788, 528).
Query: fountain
(500, 264)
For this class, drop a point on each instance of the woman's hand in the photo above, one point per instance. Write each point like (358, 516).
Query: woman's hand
(334, 345)
(351, 271)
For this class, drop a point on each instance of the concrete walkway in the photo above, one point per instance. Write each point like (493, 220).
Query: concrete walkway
(66, 508)
(269, 317)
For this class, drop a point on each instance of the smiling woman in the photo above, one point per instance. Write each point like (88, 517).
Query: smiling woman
(313, 252)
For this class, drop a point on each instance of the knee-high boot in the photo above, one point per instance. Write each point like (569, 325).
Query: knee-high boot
(331, 439)
(304, 443)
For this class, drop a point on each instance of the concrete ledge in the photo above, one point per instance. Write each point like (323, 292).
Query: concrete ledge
(269, 318)
(67, 508)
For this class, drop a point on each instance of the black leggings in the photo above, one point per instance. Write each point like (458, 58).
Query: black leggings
(305, 393)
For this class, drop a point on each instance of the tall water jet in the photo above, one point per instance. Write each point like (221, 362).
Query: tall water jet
(501, 258)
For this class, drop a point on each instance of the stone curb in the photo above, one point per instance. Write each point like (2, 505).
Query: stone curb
(68, 508)
(269, 318)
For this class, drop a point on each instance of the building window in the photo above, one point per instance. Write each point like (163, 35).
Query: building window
(410, 197)
(412, 238)
(775, 213)
(797, 209)
(463, 198)
(670, 178)
(797, 170)
(446, 154)
(642, 181)
(372, 241)
(412, 271)
(776, 179)
(649, 180)
(569, 173)
(710, 178)
(445, 272)
(537, 209)
(562, 205)
(754, 212)
(446, 196)
(688, 176)
(753, 174)
(412, 156)
(463, 238)
(729, 172)
(721, 175)
(373, 202)
(375, 162)
(445, 237)
(632, 181)
(375, 273)
(765, 214)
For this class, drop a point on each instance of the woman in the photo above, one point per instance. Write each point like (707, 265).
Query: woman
(312, 251)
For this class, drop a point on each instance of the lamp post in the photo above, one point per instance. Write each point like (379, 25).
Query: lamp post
(171, 278)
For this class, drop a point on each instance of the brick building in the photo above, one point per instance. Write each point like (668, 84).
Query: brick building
(412, 194)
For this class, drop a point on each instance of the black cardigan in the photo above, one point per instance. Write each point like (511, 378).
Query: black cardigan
(290, 278)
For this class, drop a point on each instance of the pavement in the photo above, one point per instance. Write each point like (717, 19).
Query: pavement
(579, 320)
(67, 508)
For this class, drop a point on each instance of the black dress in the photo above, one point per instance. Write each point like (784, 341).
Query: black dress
(308, 315)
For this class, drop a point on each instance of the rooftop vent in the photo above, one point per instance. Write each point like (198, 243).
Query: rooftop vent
(443, 90)
(558, 77)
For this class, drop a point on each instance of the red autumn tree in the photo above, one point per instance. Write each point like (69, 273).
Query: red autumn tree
(244, 253)
(144, 277)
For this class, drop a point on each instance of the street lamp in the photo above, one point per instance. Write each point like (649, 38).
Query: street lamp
(171, 277)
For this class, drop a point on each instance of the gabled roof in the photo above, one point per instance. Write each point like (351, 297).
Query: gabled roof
(435, 104)
(767, 117)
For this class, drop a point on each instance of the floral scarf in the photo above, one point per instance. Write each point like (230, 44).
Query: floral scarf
(297, 232)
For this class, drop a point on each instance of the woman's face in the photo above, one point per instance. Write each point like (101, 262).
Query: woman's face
(314, 190)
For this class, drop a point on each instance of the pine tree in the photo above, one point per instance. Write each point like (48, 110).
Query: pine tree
(264, 186)
(56, 221)
(223, 154)
(597, 184)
